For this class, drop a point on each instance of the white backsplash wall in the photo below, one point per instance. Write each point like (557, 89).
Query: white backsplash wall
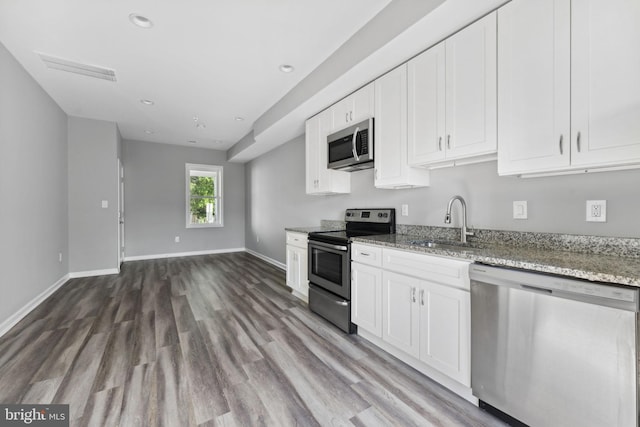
(275, 199)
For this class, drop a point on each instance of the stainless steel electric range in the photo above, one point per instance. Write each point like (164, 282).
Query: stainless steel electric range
(330, 263)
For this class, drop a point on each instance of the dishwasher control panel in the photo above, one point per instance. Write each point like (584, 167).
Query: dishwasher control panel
(618, 296)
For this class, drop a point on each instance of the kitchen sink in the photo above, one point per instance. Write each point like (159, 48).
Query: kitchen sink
(446, 244)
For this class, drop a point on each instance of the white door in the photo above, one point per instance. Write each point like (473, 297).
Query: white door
(426, 109)
(366, 298)
(605, 81)
(390, 127)
(312, 141)
(400, 312)
(471, 92)
(293, 268)
(342, 113)
(363, 103)
(533, 86)
(444, 330)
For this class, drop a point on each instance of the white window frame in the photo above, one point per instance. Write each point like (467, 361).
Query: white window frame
(205, 170)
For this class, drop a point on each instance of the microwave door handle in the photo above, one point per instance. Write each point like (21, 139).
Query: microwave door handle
(353, 145)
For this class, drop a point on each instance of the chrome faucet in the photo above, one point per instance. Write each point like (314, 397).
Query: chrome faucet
(447, 218)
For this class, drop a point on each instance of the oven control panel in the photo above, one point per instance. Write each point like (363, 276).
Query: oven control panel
(383, 216)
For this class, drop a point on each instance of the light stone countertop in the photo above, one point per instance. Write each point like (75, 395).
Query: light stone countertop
(607, 268)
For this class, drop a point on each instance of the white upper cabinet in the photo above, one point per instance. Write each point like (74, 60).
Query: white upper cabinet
(452, 98)
(319, 179)
(533, 86)
(392, 169)
(353, 108)
(605, 82)
(568, 86)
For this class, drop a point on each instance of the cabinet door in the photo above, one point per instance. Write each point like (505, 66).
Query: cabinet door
(444, 330)
(293, 267)
(303, 273)
(400, 312)
(363, 103)
(533, 86)
(471, 92)
(319, 179)
(342, 113)
(426, 110)
(605, 82)
(312, 140)
(366, 298)
(297, 270)
(391, 127)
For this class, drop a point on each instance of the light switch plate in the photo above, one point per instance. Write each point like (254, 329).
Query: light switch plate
(596, 211)
(520, 209)
(405, 210)
(105, 204)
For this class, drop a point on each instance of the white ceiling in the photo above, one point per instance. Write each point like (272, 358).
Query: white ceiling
(214, 59)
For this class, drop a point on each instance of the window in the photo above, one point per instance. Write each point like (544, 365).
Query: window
(204, 195)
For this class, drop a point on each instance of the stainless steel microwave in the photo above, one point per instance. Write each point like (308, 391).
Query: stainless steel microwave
(351, 148)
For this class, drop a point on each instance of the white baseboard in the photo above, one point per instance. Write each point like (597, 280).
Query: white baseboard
(92, 273)
(20, 314)
(267, 259)
(181, 254)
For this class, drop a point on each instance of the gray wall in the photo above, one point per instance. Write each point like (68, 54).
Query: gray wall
(276, 199)
(154, 204)
(33, 188)
(93, 177)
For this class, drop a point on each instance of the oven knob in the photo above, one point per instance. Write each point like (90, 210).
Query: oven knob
(380, 215)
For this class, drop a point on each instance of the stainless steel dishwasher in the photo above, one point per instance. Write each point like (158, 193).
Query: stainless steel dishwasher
(552, 351)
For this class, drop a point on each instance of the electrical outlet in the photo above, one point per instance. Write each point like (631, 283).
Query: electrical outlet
(520, 209)
(405, 210)
(177, 239)
(596, 210)
(105, 204)
(59, 256)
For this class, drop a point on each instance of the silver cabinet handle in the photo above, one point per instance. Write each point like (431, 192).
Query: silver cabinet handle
(353, 144)
(560, 144)
(422, 297)
(413, 294)
(364, 254)
(448, 142)
(346, 117)
(578, 141)
(350, 115)
(440, 143)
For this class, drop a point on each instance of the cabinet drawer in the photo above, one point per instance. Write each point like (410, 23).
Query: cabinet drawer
(365, 254)
(435, 269)
(297, 239)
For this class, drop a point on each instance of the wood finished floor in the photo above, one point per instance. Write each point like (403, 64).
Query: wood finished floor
(210, 341)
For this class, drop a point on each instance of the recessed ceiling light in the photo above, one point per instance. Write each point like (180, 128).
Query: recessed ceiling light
(217, 141)
(140, 21)
(201, 125)
(148, 132)
(239, 119)
(147, 102)
(286, 68)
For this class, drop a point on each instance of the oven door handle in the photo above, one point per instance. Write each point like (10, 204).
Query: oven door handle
(343, 303)
(329, 246)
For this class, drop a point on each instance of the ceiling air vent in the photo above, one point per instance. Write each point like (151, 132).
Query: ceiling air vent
(78, 68)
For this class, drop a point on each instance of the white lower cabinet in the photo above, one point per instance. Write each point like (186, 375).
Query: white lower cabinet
(366, 298)
(421, 305)
(297, 275)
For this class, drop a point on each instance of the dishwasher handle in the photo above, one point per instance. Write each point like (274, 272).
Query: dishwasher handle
(536, 289)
